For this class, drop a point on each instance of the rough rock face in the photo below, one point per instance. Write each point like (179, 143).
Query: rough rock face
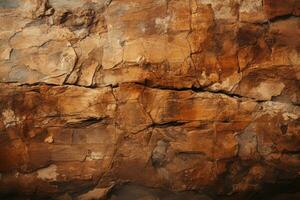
(109, 99)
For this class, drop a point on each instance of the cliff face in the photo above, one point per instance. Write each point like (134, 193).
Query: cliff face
(176, 95)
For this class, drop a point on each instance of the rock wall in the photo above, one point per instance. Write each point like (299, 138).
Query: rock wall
(177, 95)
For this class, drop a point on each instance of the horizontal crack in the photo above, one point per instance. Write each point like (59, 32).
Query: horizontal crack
(167, 124)
(282, 17)
(275, 19)
(197, 90)
(158, 87)
(85, 122)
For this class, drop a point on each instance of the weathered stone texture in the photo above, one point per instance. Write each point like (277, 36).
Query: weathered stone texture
(182, 95)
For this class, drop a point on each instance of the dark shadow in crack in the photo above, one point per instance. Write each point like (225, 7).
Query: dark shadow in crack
(136, 192)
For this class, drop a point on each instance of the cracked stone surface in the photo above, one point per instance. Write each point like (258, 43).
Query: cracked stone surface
(149, 99)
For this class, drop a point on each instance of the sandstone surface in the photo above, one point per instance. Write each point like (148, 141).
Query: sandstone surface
(149, 99)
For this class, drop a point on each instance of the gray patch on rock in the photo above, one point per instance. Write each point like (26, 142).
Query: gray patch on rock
(159, 153)
(9, 3)
(247, 141)
(22, 73)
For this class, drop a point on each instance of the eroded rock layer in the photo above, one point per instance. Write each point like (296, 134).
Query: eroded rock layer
(185, 95)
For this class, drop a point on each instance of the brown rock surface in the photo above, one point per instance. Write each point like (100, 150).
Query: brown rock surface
(109, 99)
